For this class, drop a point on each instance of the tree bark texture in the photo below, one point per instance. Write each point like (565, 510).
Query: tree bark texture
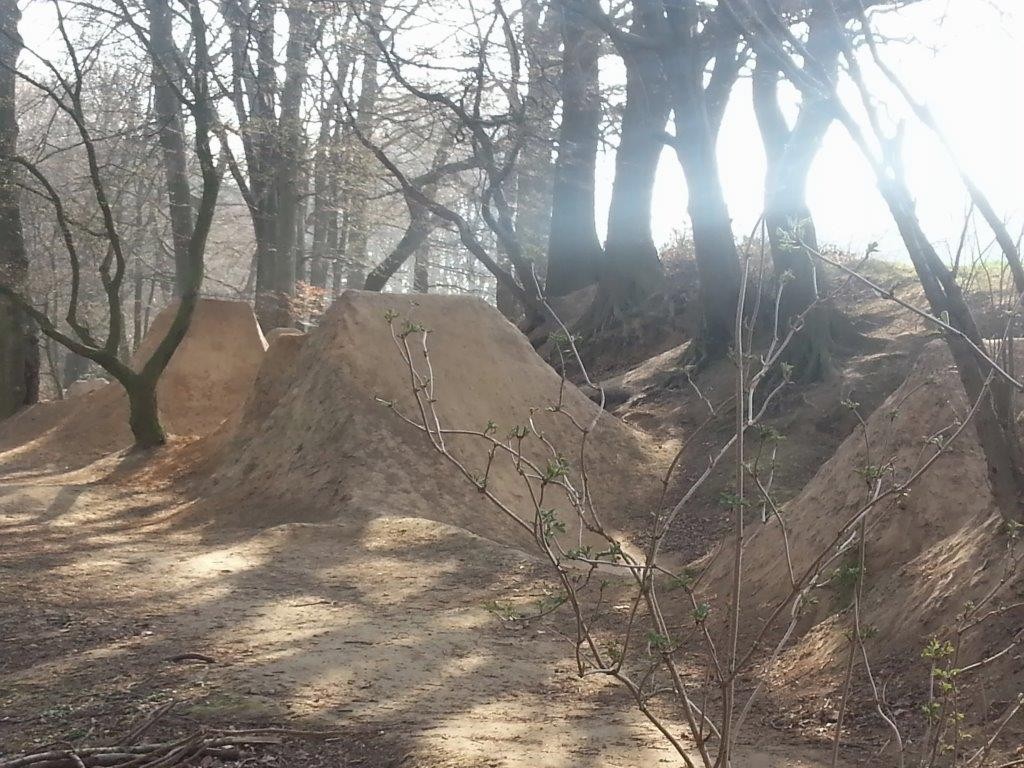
(19, 350)
(574, 250)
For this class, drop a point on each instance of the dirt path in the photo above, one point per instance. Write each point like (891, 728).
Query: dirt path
(379, 629)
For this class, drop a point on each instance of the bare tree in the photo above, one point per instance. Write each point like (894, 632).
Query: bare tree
(356, 192)
(490, 112)
(66, 94)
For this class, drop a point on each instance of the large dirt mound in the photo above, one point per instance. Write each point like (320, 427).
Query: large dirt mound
(206, 382)
(315, 443)
(929, 553)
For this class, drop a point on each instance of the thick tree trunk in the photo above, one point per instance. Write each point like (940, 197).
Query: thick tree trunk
(170, 130)
(325, 188)
(143, 413)
(790, 152)
(714, 247)
(270, 156)
(574, 251)
(714, 244)
(631, 269)
(19, 351)
(791, 234)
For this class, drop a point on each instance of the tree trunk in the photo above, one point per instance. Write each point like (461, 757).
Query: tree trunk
(574, 251)
(996, 419)
(714, 245)
(631, 269)
(143, 413)
(261, 141)
(357, 192)
(790, 234)
(416, 234)
(790, 152)
(19, 352)
(421, 268)
(290, 149)
(534, 169)
(171, 134)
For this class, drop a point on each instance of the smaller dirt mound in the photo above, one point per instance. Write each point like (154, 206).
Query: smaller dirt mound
(206, 382)
(316, 443)
(929, 553)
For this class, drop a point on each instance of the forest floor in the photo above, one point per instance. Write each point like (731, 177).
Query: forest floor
(379, 632)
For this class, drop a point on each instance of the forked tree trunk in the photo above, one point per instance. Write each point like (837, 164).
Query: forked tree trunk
(791, 231)
(574, 251)
(416, 234)
(790, 152)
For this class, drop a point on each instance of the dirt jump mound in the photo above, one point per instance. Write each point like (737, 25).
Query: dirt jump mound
(206, 382)
(937, 558)
(316, 442)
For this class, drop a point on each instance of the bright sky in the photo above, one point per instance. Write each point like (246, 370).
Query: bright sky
(967, 65)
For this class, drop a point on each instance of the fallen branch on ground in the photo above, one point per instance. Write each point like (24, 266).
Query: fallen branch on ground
(225, 745)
